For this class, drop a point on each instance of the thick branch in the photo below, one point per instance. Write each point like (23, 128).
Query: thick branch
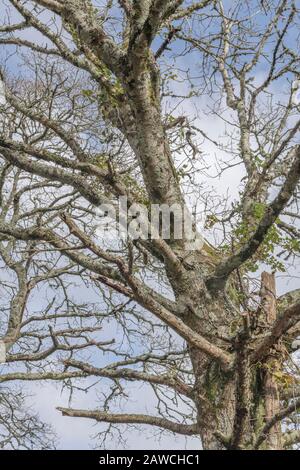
(289, 318)
(224, 269)
(141, 294)
(101, 416)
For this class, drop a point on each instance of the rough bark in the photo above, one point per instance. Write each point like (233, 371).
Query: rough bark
(271, 396)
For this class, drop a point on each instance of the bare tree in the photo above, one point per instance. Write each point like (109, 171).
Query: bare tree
(19, 427)
(99, 112)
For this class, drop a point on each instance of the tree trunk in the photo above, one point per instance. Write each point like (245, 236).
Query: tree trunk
(233, 409)
(215, 401)
(272, 402)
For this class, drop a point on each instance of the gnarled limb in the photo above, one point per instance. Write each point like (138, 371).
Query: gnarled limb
(104, 417)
